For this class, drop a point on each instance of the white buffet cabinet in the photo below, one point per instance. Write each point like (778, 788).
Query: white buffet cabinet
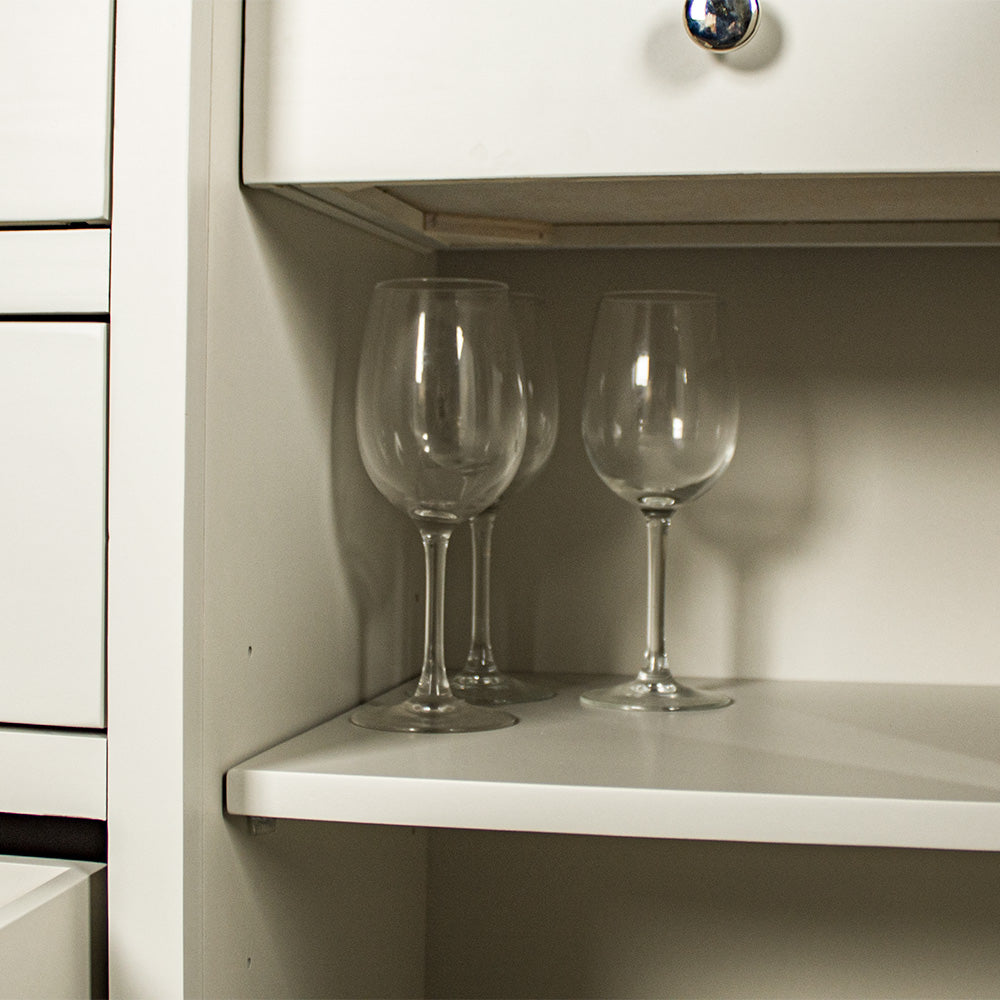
(834, 832)
(839, 579)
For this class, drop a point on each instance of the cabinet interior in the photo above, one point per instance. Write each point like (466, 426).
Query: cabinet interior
(864, 476)
(852, 539)
(535, 915)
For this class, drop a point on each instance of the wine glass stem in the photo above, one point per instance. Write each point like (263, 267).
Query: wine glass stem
(657, 668)
(433, 681)
(480, 650)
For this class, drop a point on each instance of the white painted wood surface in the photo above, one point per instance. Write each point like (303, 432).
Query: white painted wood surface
(55, 110)
(47, 921)
(53, 773)
(157, 302)
(54, 271)
(876, 765)
(53, 384)
(451, 89)
(260, 601)
(228, 359)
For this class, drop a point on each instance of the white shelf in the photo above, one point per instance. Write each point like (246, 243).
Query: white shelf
(789, 762)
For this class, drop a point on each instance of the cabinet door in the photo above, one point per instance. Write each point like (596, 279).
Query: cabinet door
(55, 110)
(453, 89)
(52, 534)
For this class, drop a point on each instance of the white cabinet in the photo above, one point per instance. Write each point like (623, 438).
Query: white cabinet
(55, 111)
(258, 585)
(52, 438)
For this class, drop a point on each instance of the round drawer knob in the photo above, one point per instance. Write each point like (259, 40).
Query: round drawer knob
(721, 25)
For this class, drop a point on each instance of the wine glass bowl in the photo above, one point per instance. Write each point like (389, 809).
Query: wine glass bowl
(441, 426)
(541, 390)
(436, 429)
(659, 427)
(481, 681)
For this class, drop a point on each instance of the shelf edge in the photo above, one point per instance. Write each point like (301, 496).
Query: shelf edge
(616, 812)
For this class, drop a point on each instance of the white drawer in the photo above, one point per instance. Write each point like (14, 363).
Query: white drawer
(55, 271)
(55, 110)
(53, 773)
(52, 522)
(452, 89)
(51, 913)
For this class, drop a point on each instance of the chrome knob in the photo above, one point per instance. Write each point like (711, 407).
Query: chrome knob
(721, 25)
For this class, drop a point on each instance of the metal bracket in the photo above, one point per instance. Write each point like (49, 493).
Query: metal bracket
(261, 825)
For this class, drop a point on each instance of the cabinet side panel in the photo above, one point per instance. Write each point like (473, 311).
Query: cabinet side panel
(310, 579)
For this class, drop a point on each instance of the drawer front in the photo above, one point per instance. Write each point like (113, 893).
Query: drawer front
(46, 773)
(51, 917)
(454, 89)
(52, 522)
(55, 110)
(55, 271)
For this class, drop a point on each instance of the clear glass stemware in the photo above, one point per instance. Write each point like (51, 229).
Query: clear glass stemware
(441, 426)
(659, 426)
(481, 681)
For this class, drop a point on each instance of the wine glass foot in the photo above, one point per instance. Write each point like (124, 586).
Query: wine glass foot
(442, 715)
(495, 688)
(653, 696)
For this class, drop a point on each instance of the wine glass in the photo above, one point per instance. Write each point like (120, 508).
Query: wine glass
(441, 426)
(659, 426)
(480, 681)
